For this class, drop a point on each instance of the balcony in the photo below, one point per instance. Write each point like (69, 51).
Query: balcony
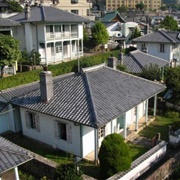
(59, 35)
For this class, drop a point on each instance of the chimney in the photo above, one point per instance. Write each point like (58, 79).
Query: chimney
(46, 85)
(112, 62)
(121, 58)
(27, 11)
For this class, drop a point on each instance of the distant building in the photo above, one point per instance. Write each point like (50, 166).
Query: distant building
(150, 4)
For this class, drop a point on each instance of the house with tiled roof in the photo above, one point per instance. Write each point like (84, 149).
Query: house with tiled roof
(162, 43)
(12, 156)
(7, 25)
(74, 112)
(56, 34)
(136, 60)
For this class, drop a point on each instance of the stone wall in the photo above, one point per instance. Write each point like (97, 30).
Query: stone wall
(40, 167)
(166, 169)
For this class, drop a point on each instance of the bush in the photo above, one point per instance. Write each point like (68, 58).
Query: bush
(57, 69)
(68, 172)
(114, 155)
(172, 114)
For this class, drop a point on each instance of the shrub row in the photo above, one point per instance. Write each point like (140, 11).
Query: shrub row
(58, 69)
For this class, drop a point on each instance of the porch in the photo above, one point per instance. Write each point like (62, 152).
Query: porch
(132, 133)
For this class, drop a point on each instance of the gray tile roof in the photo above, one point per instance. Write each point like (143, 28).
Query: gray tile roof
(91, 97)
(8, 22)
(48, 14)
(161, 36)
(136, 60)
(11, 155)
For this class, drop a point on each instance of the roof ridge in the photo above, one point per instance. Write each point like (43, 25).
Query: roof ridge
(153, 56)
(89, 91)
(162, 32)
(136, 60)
(43, 13)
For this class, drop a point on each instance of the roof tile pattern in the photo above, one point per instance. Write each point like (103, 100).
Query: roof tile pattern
(8, 22)
(11, 155)
(94, 97)
(136, 60)
(48, 14)
(161, 36)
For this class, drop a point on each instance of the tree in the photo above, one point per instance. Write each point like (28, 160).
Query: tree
(136, 33)
(169, 23)
(140, 6)
(172, 79)
(121, 67)
(99, 33)
(122, 8)
(9, 51)
(114, 155)
(163, 8)
(14, 6)
(151, 72)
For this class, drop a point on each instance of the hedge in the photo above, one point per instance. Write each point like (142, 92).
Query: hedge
(57, 69)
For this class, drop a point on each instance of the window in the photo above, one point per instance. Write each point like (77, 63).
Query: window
(32, 121)
(161, 47)
(75, 11)
(101, 132)
(63, 131)
(58, 47)
(74, 1)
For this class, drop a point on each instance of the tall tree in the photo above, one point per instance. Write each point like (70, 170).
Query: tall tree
(169, 23)
(114, 155)
(9, 51)
(151, 72)
(99, 33)
(14, 6)
(140, 6)
(172, 79)
(122, 8)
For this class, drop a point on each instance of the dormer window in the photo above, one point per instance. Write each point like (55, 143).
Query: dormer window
(74, 1)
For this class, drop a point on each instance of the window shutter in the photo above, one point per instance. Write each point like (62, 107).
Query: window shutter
(27, 119)
(37, 123)
(56, 129)
(69, 133)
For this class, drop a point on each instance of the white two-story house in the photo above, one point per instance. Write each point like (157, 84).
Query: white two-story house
(56, 34)
(163, 44)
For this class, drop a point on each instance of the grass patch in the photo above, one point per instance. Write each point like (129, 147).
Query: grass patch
(94, 171)
(160, 124)
(46, 151)
(137, 150)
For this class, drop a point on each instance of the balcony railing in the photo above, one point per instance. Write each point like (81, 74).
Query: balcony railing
(59, 35)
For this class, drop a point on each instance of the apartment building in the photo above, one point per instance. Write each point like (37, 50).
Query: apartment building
(149, 4)
(80, 7)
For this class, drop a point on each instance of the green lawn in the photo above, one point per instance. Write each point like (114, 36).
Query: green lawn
(40, 148)
(159, 125)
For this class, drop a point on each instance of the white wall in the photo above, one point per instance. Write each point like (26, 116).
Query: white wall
(154, 49)
(41, 33)
(80, 31)
(47, 133)
(88, 140)
(29, 37)
(20, 36)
